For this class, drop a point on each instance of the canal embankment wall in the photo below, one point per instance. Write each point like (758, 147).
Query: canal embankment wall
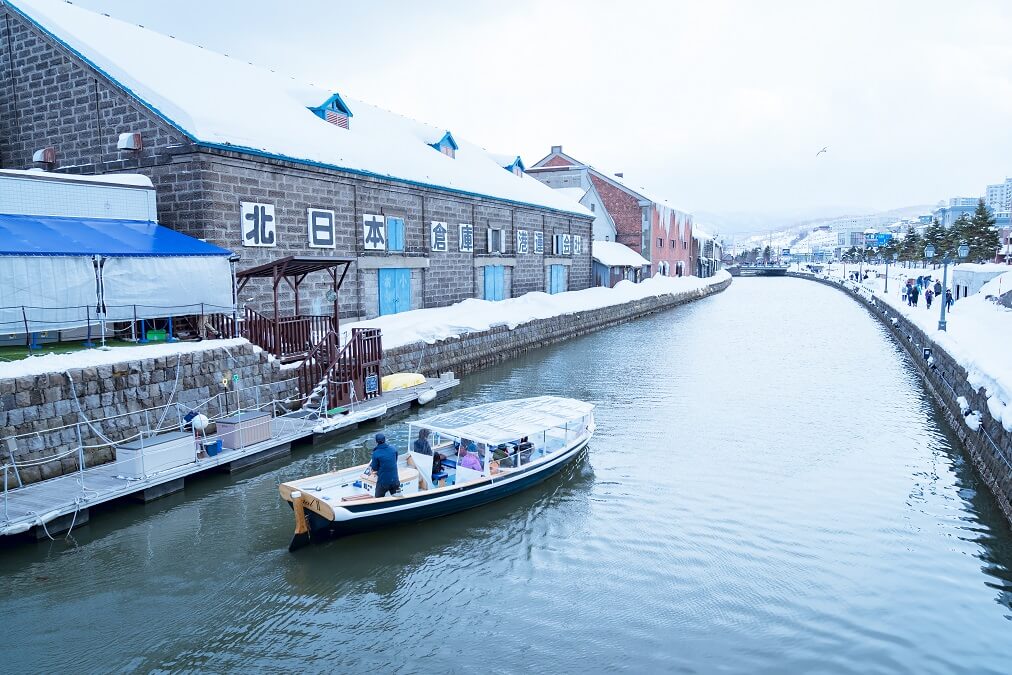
(46, 417)
(990, 445)
(49, 415)
(481, 349)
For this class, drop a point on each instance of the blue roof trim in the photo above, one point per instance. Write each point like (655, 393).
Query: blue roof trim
(447, 139)
(262, 153)
(335, 98)
(64, 236)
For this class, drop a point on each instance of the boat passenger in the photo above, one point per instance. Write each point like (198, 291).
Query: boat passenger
(502, 455)
(384, 463)
(421, 444)
(469, 457)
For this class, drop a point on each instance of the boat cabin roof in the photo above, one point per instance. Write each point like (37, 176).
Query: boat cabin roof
(504, 421)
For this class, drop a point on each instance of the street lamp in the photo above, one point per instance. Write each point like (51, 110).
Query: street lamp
(962, 252)
(895, 256)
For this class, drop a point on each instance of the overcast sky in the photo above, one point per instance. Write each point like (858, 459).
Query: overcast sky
(720, 106)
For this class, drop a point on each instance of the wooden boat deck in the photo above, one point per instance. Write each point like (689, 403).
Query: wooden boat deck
(66, 499)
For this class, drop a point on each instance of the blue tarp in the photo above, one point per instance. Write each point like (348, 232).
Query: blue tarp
(61, 236)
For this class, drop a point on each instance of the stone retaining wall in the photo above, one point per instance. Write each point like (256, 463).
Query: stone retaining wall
(49, 408)
(478, 350)
(990, 447)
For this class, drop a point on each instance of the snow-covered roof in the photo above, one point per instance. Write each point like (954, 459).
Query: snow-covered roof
(700, 234)
(574, 193)
(614, 254)
(642, 192)
(505, 421)
(981, 268)
(225, 103)
(126, 179)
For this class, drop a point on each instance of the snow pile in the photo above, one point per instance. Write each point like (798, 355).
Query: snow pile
(440, 323)
(226, 102)
(57, 363)
(973, 420)
(1000, 412)
(964, 405)
(614, 254)
(128, 179)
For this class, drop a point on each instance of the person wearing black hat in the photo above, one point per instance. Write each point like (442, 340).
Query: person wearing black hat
(384, 463)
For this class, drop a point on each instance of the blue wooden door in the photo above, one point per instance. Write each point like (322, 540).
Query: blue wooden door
(394, 291)
(556, 278)
(494, 282)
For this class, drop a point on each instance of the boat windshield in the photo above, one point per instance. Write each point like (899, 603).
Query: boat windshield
(448, 458)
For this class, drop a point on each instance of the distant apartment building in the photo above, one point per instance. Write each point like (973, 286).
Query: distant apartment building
(647, 224)
(998, 196)
(956, 207)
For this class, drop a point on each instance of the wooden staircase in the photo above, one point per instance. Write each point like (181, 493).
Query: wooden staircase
(343, 374)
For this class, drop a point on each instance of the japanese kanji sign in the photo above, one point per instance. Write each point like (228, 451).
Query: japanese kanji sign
(374, 234)
(567, 244)
(523, 241)
(539, 241)
(466, 242)
(321, 229)
(438, 236)
(257, 224)
(577, 244)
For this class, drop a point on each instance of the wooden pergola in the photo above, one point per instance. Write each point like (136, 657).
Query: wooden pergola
(290, 338)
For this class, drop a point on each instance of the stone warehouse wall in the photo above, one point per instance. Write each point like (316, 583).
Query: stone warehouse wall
(50, 97)
(45, 411)
(990, 448)
(478, 350)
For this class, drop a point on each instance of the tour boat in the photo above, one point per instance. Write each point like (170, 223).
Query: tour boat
(512, 445)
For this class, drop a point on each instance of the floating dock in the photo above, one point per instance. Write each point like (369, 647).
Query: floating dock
(48, 507)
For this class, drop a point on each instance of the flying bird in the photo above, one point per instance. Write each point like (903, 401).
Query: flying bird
(822, 151)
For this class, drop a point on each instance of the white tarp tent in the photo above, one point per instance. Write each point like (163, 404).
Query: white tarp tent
(58, 272)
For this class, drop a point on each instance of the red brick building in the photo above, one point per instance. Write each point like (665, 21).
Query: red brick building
(647, 224)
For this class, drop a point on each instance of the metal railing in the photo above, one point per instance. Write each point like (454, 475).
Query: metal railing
(222, 404)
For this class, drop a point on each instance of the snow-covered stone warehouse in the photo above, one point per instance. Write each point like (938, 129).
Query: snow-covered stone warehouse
(255, 162)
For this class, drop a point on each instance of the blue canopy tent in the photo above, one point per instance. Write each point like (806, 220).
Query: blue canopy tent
(60, 272)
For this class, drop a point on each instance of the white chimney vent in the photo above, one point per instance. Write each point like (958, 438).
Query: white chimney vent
(556, 149)
(45, 156)
(130, 141)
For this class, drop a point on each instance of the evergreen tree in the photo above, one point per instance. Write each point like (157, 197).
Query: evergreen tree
(936, 235)
(982, 237)
(958, 232)
(767, 254)
(912, 248)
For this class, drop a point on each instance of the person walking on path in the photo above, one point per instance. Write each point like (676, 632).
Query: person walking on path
(948, 299)
(384, 463)
(914, 293)
(938, 288)
(928, 295)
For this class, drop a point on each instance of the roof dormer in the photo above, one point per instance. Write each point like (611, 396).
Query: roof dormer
(334, 111)
(446, 145)
(516, 167)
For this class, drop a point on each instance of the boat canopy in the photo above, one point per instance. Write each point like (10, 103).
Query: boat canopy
(505, 421)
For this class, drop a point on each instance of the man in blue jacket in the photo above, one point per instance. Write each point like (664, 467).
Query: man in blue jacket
(384, 463)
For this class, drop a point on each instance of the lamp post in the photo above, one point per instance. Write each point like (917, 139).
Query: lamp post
(895, 256)
(962, 252)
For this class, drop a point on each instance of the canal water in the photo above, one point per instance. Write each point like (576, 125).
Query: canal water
(769, 489)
